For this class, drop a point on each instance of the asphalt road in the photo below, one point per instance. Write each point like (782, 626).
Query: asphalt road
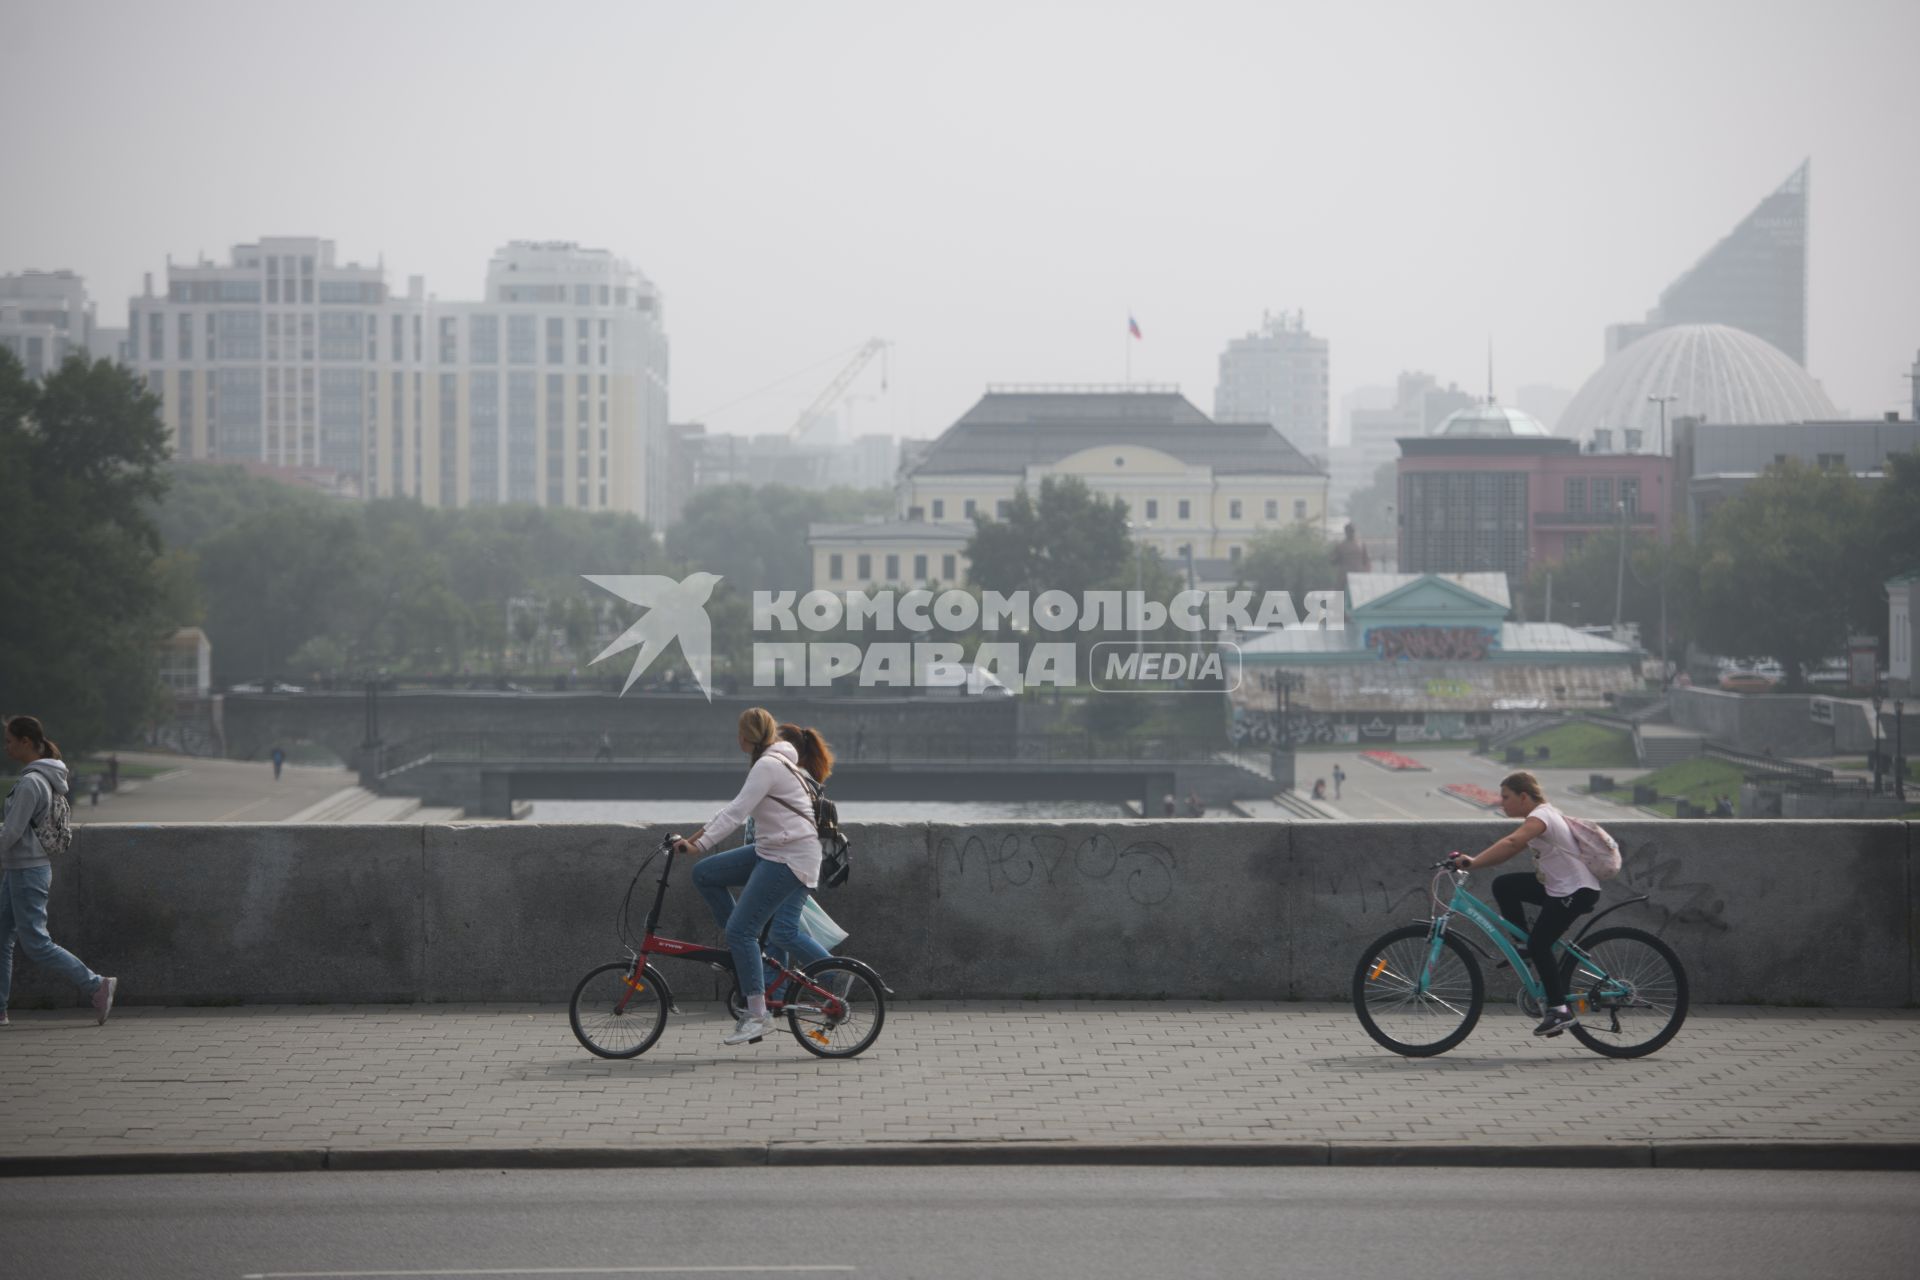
(958, 1222)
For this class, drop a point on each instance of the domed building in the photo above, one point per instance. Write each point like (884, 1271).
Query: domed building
(1489, 421)
(1712, 372)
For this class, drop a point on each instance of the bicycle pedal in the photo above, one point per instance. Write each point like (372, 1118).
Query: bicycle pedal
(756, 1040)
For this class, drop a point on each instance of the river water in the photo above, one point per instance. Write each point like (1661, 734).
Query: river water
(694, 812)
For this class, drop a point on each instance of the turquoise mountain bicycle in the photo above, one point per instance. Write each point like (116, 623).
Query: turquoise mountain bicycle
(1418, 989)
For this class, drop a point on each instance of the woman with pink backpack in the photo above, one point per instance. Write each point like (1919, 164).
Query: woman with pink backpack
(1562, 885)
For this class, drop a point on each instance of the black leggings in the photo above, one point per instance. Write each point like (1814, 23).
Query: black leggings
(1513, 890)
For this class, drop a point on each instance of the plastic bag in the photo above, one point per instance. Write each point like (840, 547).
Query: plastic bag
(819, 925)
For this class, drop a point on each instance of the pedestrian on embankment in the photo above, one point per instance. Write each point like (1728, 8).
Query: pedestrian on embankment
(33, 819)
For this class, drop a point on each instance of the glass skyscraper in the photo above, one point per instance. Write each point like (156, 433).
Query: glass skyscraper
(1754, 279)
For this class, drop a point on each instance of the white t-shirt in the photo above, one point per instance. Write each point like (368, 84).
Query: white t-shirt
(1555, 861)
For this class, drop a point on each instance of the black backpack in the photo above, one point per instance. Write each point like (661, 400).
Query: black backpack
(836, 852)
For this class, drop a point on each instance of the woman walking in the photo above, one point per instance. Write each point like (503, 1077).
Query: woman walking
(774, 872)
(26, 873)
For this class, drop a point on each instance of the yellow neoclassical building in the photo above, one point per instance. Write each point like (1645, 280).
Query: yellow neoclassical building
(1189, 482)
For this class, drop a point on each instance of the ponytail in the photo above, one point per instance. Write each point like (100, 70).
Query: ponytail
(28, 729)
(815, 756)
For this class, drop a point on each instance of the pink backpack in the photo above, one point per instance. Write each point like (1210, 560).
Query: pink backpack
(1594, 847)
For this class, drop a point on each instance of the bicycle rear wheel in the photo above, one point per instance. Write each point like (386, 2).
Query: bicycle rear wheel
(844, 1021)
(1631, 998)
(619, 1010)
(1400, 1012)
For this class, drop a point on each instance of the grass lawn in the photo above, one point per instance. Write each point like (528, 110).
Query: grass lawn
(1581, 746)
(128, 768)
(1699, 780)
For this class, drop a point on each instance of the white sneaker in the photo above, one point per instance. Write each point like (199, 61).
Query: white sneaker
(750, 1029)
(103, 998)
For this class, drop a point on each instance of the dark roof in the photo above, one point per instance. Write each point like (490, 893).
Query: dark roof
(1011, 431)
(1454, 446)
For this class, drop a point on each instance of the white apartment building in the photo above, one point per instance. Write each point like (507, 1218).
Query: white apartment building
(551, 391)
(1278, 375)
(45, 317)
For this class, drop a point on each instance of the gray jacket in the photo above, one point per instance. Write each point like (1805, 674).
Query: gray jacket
(39, 783)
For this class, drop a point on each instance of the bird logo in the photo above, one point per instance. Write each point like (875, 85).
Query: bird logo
(674, 611)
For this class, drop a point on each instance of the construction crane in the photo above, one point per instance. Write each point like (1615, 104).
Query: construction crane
(838, 387)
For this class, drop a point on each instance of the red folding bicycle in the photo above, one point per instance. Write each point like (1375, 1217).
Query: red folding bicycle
(835, 1007)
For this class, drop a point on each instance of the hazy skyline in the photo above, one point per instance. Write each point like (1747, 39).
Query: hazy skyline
(995, 188)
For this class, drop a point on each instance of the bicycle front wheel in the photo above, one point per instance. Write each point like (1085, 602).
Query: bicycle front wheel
(1631, 993)
(1410, 1016)
(619, 1010)
(843, 1016)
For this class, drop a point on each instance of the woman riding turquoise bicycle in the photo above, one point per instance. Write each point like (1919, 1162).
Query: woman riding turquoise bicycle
(1560, 885)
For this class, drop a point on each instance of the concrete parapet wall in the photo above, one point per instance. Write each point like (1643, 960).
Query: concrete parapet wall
(1756, 722)
(1780, 912)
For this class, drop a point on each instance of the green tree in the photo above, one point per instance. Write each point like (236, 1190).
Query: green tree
(276, 581)
(1069, 540)
(1894, 518)
(1585, 583)
(1786, 568)
(1372, 509)
(756, 538)
(1295, 560)
(82, 592)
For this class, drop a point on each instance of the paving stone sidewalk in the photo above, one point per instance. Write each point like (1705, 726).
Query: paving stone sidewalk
(511, 1077)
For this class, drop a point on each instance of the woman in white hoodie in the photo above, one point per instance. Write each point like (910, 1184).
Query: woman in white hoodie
(775, 871)
(26, 874)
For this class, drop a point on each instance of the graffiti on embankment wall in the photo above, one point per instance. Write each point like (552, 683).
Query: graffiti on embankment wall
(1004, 860)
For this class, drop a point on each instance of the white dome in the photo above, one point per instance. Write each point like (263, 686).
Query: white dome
(1714, 372)
(1489, 421)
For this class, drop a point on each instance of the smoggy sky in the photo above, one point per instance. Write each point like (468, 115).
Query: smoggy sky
(994, 186)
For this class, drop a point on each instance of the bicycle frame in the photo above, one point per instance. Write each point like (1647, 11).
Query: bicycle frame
(653, 944)
(1504, 935)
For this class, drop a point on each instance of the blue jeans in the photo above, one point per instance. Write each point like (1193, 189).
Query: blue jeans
(23, 913)
(768, 891)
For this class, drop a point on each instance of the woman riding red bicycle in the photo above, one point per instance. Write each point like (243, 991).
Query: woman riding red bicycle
(774, 872)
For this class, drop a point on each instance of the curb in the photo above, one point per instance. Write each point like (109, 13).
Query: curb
(1731, 1154)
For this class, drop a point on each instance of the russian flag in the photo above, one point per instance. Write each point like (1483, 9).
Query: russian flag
(1133, 326)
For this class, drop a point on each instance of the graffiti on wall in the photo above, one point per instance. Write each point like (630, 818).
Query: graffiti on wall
(1254, 728)
(1433, 644)
(1013, 860)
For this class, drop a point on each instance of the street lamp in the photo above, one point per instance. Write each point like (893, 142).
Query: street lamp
(1876, 742)
(1620, 571)
(1139, 554)
(1663, 402)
